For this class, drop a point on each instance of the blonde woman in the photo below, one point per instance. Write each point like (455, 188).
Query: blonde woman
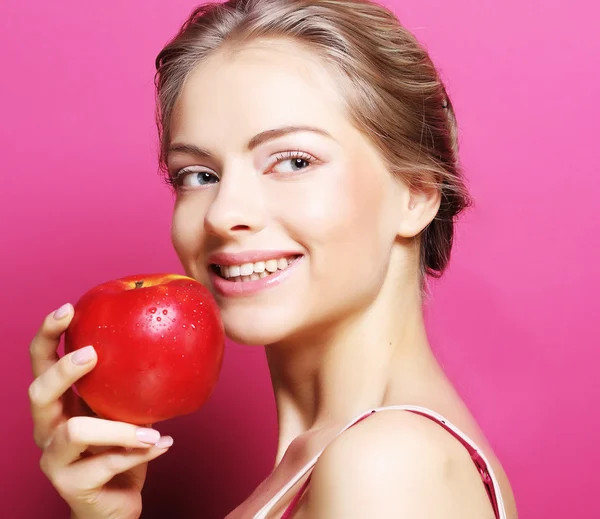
(312, 150)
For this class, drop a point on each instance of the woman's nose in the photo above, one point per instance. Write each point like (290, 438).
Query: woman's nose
(238, 206)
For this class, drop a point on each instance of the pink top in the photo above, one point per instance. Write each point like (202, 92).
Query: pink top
(487, 475)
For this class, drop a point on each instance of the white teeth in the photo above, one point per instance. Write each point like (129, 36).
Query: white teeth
(246, 269)
(271, 265)
(253, 271)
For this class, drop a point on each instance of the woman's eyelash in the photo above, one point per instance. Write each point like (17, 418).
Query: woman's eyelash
(287, 155)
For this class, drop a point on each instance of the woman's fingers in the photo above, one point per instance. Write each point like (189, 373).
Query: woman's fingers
(45, 343)
(57, 379)
(80, 432)
(46, 390)
(132, 445)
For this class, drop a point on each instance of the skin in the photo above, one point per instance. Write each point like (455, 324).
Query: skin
(343, 333)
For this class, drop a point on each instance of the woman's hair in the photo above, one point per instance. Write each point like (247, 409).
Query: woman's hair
(391, 89)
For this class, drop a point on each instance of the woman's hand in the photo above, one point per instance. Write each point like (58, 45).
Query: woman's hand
(97, 466)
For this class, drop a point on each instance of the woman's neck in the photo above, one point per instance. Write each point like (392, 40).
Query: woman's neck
(368, 360)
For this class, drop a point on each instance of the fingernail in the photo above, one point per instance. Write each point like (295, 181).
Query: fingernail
(147, 435)
(83, 355)
(164, 442)
(62, 311)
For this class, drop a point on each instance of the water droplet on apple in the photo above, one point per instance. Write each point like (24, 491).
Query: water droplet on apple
(184, 326)
(159, 319)
(152, 310)
(193, 326)
(165, 312)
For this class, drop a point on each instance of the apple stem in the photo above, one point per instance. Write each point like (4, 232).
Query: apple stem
(139, 284)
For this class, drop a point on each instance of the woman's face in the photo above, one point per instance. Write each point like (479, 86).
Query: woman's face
(272, 175)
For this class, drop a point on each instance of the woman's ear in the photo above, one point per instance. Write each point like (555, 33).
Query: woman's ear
(419, 208)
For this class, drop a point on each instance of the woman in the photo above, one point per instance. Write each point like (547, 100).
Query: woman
(312, 148)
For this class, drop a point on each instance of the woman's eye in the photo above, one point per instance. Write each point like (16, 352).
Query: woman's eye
(193, 178)
(292, 162)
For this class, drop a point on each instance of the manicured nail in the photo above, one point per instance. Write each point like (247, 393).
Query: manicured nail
(147, 435)
(164, 442)
(83, 355)
(62, 311)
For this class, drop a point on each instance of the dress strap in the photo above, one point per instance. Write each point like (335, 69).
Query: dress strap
(263, 512)
(485, 469)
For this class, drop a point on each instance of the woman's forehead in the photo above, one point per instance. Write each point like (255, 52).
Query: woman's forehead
(259, 87)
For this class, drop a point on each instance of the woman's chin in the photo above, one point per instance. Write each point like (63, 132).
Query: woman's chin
(257, 331)
(250, 337)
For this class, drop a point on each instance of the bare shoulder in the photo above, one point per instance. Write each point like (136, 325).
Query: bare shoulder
(397, 464)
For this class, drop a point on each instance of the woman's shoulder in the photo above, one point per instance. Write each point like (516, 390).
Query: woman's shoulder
(397, 463)
(400, 436)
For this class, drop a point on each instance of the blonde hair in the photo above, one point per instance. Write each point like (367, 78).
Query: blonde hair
(392, 90)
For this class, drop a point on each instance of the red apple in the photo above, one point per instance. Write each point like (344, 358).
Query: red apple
(160, 343)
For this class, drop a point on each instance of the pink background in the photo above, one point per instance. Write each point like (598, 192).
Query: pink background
(514, 320)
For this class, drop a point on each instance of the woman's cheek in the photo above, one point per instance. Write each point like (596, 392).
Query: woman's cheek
(318, 207)
(186, 236)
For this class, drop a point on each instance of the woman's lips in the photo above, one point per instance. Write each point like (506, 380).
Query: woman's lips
(247, 284)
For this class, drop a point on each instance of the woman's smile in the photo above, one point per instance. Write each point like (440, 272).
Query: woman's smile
(246, 273)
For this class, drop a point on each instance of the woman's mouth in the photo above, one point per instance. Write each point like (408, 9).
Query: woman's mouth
(252, 271)
(252, 277)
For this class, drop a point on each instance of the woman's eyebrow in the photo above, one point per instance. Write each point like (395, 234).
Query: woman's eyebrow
(269, 135)
(190, 149)
(257, 140)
